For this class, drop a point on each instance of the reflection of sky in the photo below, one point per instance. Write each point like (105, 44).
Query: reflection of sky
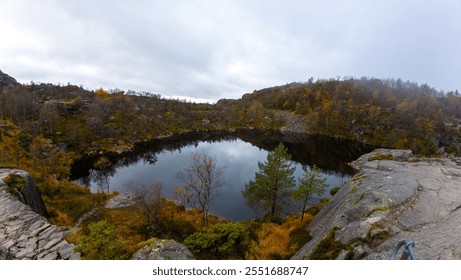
(241, 161)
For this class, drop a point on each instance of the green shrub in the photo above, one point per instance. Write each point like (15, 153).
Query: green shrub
(101, 243)
(224, 241)
(65, 197)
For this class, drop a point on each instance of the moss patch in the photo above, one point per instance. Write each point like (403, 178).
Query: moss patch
(377, 235)
(359, 199)
(383, 157)
(329, 248)
(353, 190)
(378, 209)
(14, 183)
(359, 177)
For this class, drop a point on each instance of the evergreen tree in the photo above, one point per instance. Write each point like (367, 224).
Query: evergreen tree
(273, 184)
(310, 183)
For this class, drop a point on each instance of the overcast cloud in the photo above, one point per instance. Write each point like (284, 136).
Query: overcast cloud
(222, 49)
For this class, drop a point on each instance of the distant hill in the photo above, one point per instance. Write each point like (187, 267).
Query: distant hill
(389, 113)
(6, 80)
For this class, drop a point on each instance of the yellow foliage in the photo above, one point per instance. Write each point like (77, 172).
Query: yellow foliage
(128, 226)
(102, 94)
(11, 152)
(278, 241)
(74, 237)
(60, 218)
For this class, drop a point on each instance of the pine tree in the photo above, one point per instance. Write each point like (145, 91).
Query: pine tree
(273, 184)
(310, 183)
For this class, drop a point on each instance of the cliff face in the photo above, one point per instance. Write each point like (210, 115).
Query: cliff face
(6, 80)
(393, 197)
(24, 233)
(28, 192)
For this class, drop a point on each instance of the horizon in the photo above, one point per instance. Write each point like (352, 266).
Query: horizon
(214, 101)
(207, 50)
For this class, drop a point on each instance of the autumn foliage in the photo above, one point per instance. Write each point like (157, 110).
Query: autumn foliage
(44, 128)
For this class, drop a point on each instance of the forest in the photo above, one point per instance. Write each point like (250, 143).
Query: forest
(45, 128)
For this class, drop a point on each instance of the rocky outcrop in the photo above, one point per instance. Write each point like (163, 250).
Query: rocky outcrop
(27, 193)
(24, 234)
(7, 81)
(5, 254)
(122, 200)
(159, 249)
(292, 123)
(393, 197)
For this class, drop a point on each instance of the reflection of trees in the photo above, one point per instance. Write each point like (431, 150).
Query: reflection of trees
(329, 154)
(100, 174)
(150, 158)
(102, 180)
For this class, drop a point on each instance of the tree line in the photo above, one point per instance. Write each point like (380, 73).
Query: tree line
(388, 113)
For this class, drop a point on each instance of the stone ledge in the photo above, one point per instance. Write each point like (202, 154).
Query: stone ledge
(24, 234)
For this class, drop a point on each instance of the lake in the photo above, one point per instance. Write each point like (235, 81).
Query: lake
(240, 152)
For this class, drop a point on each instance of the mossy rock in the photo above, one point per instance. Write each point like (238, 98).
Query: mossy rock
(383, 157)
(14, 183)
(329, 248)
(359, 199)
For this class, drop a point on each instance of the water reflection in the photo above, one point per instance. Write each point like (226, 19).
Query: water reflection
(162, 160)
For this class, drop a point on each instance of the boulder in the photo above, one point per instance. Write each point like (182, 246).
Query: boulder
(159, 249)
(394, 196)
(122, 200)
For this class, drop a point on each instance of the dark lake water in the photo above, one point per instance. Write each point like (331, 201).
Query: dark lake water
(160, 161)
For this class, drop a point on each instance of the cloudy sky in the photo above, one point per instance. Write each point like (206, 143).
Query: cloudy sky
(222, 49)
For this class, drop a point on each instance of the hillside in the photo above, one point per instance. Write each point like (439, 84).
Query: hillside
(387, 113)
(45, 128)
